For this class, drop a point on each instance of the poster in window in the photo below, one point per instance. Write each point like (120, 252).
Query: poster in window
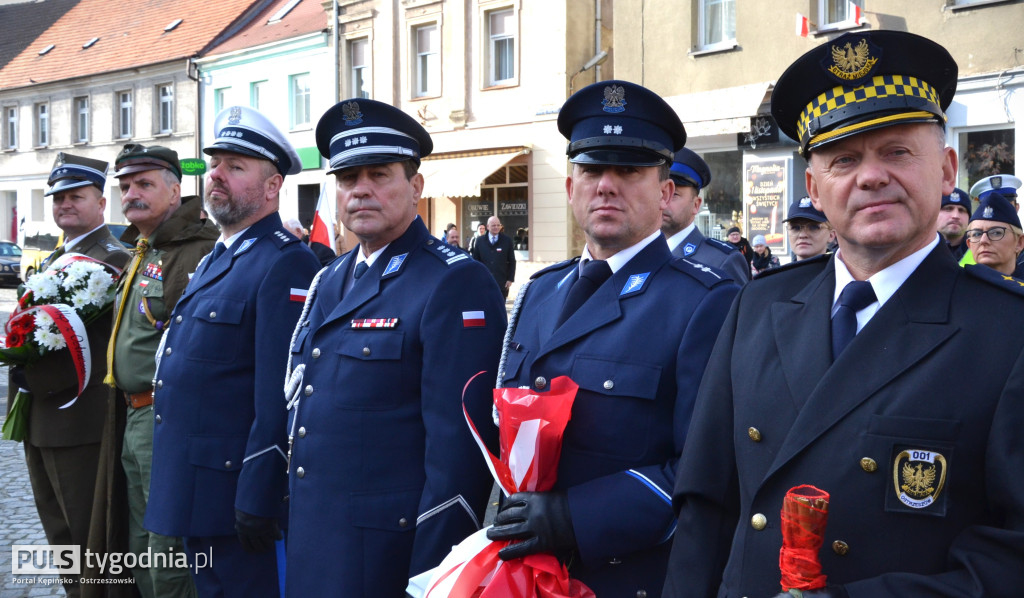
(765, 185)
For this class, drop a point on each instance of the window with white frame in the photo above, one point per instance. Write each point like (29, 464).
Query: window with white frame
(838, 13)
(358, 58)
(257, 94)
(299, 85)
(166, 95)
(42, 124)
(81, 119)
(716, 24)
(501, 47)
(10, 127)
(125, 114)
(427, 50)
(220, 98)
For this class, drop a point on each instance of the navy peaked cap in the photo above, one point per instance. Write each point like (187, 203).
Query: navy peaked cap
(360, 132)
(803, 208)
(618, 122)
(958, 197)
(862, 81)
(997, 208)
(690, 169)
(70, 171)
(246, 131)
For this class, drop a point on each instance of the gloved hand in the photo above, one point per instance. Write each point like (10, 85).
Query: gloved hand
(256, 534)
(18, 377)
(826, 592)
(540, 519)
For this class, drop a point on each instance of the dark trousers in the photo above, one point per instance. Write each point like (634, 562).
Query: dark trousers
(230, 571)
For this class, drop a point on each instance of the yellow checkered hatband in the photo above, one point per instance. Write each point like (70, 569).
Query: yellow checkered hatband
(886, 99)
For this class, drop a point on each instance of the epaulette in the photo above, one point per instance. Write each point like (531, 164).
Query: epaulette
(282, 237)
(720, 245)
(444, 252)
(707, 275)
(994, 277)
(818, 259)
(557, 266)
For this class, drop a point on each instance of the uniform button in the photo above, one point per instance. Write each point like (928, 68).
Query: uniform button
(145, 292)
(403, 522)
(308, 390)
(641, 594)
(227, 465)
(167, 351)
(841, 548)
(758, 521)
(366, 350)
(754, 434)
(300, 472)
(159, 383)
(302, 432)
(540, 382)
(430, 241)
(608, 385)
(159, 419)
(316, 353)
(213, 315)
(615, 561)
(868, 464)
(178, 320)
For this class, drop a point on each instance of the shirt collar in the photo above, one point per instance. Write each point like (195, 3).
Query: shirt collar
(231, 240)
(678, 238)
(885, 282)
(68, 245)
(369, 259)
(620, 259)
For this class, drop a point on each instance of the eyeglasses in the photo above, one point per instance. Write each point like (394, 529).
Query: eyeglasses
(994, 234)
(811, 227)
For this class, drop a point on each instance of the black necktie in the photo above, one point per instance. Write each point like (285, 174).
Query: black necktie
(594, 273)
(361, 268)
(218, 250)
(856, 296)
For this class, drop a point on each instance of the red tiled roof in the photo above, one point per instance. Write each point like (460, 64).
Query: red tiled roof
(133, 37)
(308, 16)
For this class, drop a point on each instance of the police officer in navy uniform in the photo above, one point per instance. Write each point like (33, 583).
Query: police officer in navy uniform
(633, 327)
(953, 218)
(994, 235)
(809, 232)
(856, 387)
(690, 173)
(396, 336)
(218, 476)
(1005, 185)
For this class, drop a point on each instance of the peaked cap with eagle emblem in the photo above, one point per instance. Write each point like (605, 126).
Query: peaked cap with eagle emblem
(863, 81)
(361, 132)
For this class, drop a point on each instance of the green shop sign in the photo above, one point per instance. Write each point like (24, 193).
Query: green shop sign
(193, 166)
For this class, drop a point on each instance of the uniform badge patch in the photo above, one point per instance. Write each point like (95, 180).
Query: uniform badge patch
(918, 476)
(395, 263)
(246, 244)
(689, 248)
(634, 284)
(375, 322)
(851, 63)
(298, 294)
(473, 319)
(614, 99)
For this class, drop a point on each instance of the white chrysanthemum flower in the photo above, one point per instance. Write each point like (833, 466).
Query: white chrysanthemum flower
(45, 334)
(43, 285)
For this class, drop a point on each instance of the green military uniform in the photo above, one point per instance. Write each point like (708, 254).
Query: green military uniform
(175, 248)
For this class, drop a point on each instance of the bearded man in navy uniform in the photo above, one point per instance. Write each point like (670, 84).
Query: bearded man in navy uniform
(385, 477)
(633, 327)
(219, 439)
(856, 386)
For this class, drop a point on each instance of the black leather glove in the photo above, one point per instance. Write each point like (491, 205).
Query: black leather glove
(18, 378)
(540, 519)
(826, 592)
(256, 534)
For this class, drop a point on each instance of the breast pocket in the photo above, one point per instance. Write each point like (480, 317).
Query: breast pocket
(384, 378)
(617, 414)
(916, 456)
(217, 330)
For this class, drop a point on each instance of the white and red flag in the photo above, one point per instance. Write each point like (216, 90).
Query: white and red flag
(322, 231)
(803, 25)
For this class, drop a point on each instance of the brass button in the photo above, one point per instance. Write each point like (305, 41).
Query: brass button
(615, 561)
(641, 594)
(227, 465)
(759, 521)
(159, 383)
(608, 385)
(540, 382)
(301, 473)
(178, 320)
(316, 353)
(302, 432)
(366, 350)
(213, 315)
(754, 434)
(403, 522)
(159, 419)
(167, 351)
(841, 548)
(868, 464)
(308, 390)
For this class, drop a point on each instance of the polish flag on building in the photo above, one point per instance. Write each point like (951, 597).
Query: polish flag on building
(803, 25)
(322, 230)
(855, 12)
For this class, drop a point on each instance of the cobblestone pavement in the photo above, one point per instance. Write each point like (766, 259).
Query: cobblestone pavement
(19, 522)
